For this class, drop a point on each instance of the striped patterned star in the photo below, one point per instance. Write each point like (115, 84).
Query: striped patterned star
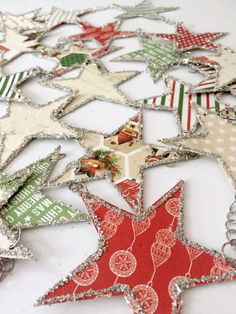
(144, 9)
(180, 101)
(9, 83)
(158, 56)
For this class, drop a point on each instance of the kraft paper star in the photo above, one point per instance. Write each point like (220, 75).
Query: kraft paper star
(14, 45)
(74, 55)
(180, 100)
(59, 17)
(29, 207)
(217, 140)
(25, 122)
(158, 56)
(144, 9)
(9, 246)
(224, 64)
(104, 35)
(22, 22)
(146, 258)
(93, 82)
(187, 40)
(121, 157)
(10, 82)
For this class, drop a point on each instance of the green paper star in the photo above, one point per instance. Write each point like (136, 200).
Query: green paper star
(158, 56)
(31, 208)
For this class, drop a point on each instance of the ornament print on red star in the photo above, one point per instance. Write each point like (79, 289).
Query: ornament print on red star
(102, 34)
(186, 40)
(148, 255)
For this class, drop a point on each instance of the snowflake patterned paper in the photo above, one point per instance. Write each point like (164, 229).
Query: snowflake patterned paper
(144, 9)
(187, 40)
(93, 82)
(147, 259)
(122, 157)
(218, 140)
(29, 207)
(104, 35)
(25, 122)
(159, 57)
(180, 100)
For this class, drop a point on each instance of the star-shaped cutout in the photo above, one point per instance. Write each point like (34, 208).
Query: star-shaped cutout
(24, 122)
(207, 142)
(180, 100)
(144, 9)
(147, 259)
(224, 64)
(58, 17)
(102, 34)
(14, 45)
(22, 22)
(30, 207)
(93, 82)
(122, 157)
(187, 40)
(158, 56)
(74, 55)
(10, 82)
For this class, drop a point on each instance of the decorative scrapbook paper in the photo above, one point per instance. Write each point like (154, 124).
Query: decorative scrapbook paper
(144, 9)
(14, 45)
(93, 82)
(180, 100)
(218, 140)
(29, 207)
(24, 122)
(187, 40)
(22, 22)
(58, 16)
(122, 157)
(10, 82)
(159, 57)
(225, 65)
(147, 258)
(74, 55)
(9, 246)
(104, 35)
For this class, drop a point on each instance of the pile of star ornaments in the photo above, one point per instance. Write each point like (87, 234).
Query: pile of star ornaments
(143, 256)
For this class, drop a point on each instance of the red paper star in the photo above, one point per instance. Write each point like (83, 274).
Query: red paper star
(186, 40)
(146, 258)
(103, 35)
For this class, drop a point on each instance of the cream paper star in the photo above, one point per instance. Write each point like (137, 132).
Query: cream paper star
(93, 82)
(15, 44)
(24, 122)
(218, 140)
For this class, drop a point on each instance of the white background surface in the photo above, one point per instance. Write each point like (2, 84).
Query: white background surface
(208, 193)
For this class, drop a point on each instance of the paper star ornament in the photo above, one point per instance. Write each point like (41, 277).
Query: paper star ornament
(59, 16)
(10, 82)
(102, 34)
(225, 65)
(122, 157)
(73, 56)
(217, 140)
(22, 22)
(29, 207)
(159, 57)
(180, 100)
(93, 82)
(9, 246)
(25, 122)
(147, 258)
(144, 9)
(14, 45)
(187, 40)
